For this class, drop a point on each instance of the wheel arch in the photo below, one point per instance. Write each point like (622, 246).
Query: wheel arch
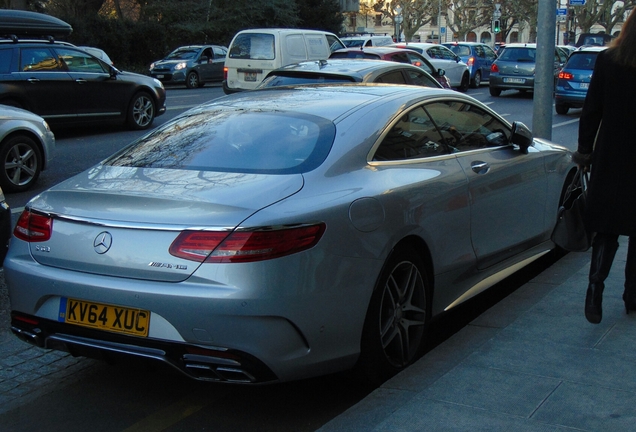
(419, 245)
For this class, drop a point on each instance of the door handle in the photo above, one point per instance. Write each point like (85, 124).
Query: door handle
(33, 80)
(480, 167)
(81, 81)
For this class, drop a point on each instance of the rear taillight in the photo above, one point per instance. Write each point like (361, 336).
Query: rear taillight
(225, 73)
(33, 227)
(471, 61)
(244, 246)
(494, 68)
(565, 75)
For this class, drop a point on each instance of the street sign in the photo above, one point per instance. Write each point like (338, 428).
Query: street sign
(442, 30)
(562, 11)
(577, 2)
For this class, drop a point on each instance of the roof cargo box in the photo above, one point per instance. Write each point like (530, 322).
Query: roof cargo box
(25, 23)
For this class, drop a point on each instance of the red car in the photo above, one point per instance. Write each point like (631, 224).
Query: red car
(399, 55)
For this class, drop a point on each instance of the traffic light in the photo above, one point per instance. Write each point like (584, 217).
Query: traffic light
(496, 26)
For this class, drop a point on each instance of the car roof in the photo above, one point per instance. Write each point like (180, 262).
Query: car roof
(317, 99)
(463, 43)
(520, 45)
(590, 48)
(385, 49)
(358, 67)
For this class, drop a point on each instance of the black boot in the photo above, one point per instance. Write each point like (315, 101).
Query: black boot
(629, 296)
(603, 251)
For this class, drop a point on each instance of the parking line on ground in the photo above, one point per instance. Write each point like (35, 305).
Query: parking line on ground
(564, 123)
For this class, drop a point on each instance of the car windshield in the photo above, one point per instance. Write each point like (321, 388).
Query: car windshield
(518, 54)
(234, 140)
(183, 54)
(284, 80)
(460, 50)
(582, 60)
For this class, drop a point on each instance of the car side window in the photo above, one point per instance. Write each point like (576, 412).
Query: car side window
(219, 53)
(77, 61)
(5, 60)
(434, 53)
(38, 59)
(417, 61)
(394, 77)
(466, 127)
(400, 58)
(414, 136)
(489, 52)
(480, 51)
(422, 79)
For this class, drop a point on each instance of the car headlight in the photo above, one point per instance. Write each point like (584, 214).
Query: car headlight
(152, 66)
(180, 66)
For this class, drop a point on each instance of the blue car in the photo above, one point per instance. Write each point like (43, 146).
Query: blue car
(574, 79)
(478, 56)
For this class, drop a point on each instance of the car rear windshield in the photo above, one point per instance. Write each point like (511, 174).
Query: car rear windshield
(285, 80)
(234, 140)
(254, 46)
(582, 60)
(460, 50)
(518, 54)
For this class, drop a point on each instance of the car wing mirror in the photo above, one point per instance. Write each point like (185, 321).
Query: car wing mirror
(441, 72)
(204, 59)
(521, 136)
(113, 71)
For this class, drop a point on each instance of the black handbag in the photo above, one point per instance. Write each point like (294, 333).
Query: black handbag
(569, 232)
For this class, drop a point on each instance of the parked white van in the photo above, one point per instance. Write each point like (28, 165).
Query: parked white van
(367, 41)
(254, 53)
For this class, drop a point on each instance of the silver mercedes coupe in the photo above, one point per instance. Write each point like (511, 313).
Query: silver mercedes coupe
(280, 234)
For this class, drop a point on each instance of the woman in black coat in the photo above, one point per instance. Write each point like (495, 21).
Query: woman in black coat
(607, 142)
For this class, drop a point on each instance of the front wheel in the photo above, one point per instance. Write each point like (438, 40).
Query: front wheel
(141, 111)
(192, 80)
(395, 323)
(21, 163)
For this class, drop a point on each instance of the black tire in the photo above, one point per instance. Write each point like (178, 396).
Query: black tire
(476, 82)
(495, 92)
(463, 86)
(21, 163)
(192, 80)
(561, 109)
(395, 325)
(141, 111)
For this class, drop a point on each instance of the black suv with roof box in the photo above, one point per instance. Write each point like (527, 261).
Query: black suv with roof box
(64, 84)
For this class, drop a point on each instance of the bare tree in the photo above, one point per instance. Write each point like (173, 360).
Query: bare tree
(607, 13)
(415, 13)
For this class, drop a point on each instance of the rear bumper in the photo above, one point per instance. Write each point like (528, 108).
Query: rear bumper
(198, 362)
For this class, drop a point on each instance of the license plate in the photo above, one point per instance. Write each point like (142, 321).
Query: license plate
(514, 80)
(159, 76)
(107, 317)
(250, 76)
(584, 85)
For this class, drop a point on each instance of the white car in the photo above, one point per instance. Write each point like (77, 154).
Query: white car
(443, 58)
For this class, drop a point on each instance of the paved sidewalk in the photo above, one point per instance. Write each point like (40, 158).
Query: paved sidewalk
(530, 363)
(27, 371)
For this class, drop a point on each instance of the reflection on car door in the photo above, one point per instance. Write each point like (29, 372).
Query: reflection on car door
(49, 88)
(97, 93)
(507, 189)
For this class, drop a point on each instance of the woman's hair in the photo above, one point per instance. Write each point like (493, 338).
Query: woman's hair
(624, 46)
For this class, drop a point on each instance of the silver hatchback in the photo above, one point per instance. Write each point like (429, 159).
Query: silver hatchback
(515, 67)
(286, 233)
